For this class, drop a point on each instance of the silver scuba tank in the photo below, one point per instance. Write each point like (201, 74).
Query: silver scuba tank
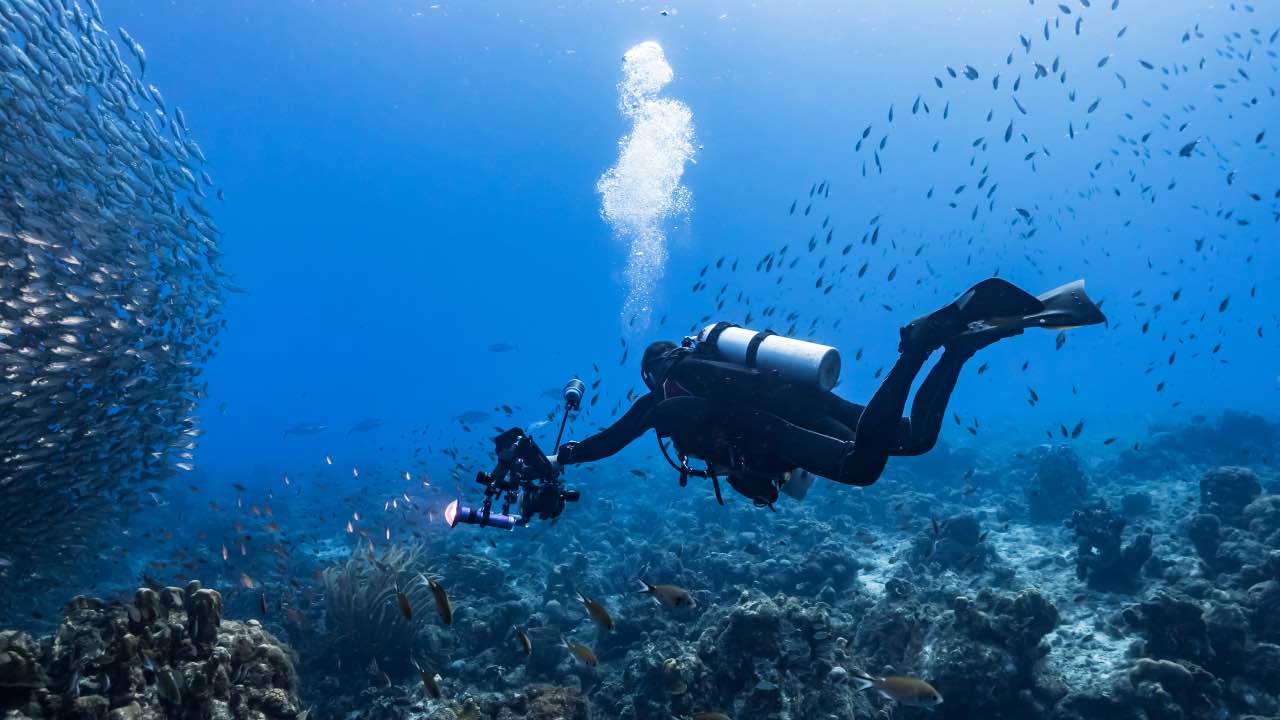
(796, 361)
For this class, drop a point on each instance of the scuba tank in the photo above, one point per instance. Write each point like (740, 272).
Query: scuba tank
(796, 361)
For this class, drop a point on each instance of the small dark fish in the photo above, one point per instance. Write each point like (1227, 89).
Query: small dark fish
(365, 425)
(501, 347)
(443, 606)
(429, 681)
(167, 684)
(903, 690)
(1188, 148)
(581, 652)
(668, 595)
(305, 429)
(526, 646)
(597, 612)
(405, 608)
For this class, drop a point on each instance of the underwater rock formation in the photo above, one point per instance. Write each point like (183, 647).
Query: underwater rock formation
(761, 657)
(958, 545)
(1135, 504)
(164, 654)
(1234, 433)
(1059, 486)
(1173, 628)
(1101, 560)
(983, 655)
(1205, 532)
(892, 633)
(535, 702)
(1226, 491)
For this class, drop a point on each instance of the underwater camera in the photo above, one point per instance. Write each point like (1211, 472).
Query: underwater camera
(522, 477)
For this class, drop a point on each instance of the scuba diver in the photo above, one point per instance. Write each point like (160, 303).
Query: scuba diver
(757, 407)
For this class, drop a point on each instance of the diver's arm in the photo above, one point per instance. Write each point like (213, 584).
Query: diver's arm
(612, 439)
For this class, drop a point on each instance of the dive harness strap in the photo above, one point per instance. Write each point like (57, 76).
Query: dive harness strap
(686, 472)
(714, 335)
(753, 347)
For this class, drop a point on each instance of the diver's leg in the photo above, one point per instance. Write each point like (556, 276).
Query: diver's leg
(880, 427)
(763, 433)
(920, 433)
(839, 411)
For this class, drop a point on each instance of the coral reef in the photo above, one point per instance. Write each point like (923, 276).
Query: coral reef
(1135, 504)
(1173, 627)
(167, 653)
(1227, 491)
(983, 655)
(1178, 618)
(957, 545)
(361, 605)
(1058, 487)
(1101, 560)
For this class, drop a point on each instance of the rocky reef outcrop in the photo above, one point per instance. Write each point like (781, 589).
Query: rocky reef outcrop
(1227, 491)
(1059, 486)
(1154, 598)
(167, 653)
(983, 654)
(1102, 560)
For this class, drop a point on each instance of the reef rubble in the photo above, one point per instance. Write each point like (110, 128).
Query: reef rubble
(1156, 597)
(166, 653)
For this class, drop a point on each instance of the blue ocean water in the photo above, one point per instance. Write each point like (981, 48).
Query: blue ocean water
(414, 227)
(408, 184)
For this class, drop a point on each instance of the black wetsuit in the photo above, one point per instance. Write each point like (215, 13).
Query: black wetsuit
(706, 406)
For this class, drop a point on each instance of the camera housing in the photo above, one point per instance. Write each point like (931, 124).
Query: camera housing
(522, 477)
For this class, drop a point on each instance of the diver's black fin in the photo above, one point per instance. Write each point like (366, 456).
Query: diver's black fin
(1067, 307)
(988, 303)
(1059, 309)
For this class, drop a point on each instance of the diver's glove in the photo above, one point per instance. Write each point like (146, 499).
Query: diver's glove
(564, 456)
